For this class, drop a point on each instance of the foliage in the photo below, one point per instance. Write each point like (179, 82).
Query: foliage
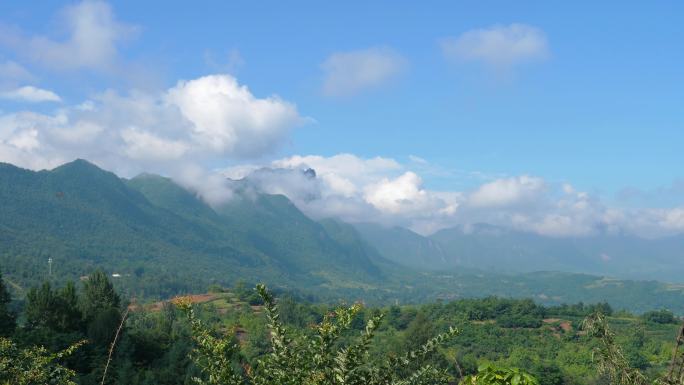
(311, 360)
(491, 375)
(98, 295)
(613, 364)
(57, 310)
(660, 316)
(34, 366)
(7, 318)
(156, 340)
(146, 229)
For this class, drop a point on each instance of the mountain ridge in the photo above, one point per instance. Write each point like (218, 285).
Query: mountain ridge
(162, 240)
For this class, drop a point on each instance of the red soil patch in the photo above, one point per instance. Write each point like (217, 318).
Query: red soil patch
(566, 326)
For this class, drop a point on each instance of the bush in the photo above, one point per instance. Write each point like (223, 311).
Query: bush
(310, 360)
(33, 365)
(660, 317)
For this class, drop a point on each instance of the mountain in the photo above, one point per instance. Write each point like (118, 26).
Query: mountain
(405, 247)
(500, 249)
(164, 237)
(162, 240)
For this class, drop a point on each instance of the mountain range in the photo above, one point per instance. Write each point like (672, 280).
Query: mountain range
(161, 239)
(501, 249)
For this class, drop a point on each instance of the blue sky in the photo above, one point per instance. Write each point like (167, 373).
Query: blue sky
(596, 102)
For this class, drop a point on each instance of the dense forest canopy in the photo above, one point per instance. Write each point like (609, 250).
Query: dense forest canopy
(75, 326)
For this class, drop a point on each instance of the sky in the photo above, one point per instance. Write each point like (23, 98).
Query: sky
(561, 118)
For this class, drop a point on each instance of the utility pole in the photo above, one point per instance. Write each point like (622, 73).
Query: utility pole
(50, 267)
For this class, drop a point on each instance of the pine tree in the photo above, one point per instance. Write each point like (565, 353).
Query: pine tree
(41, 305)
(7, 318)
(98, 296)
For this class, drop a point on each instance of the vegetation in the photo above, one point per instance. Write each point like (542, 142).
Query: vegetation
(227, 339)
(33, 365)
(145, 230)
(616, 367)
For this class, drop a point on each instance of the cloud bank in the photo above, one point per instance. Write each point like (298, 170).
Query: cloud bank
(383, 190)
(196, 122)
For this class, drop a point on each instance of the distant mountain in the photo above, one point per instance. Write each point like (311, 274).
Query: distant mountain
(405, 247)
(499, 249)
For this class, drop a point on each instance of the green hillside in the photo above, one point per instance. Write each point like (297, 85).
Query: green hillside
(148, 227)
(161, 240)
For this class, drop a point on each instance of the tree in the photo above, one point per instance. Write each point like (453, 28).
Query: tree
(7, 318)
(53, 309)
(69, 316)
(492, 375)
(34, 366)
(660, 316)
(98, 295)
(312, 360)
(41, 307)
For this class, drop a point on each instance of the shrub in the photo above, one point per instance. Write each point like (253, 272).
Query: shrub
(33, 366)
(310, 360)
(493, 375)
(660, 317)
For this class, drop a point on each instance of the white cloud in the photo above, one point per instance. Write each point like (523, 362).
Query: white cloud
(140, 144)
(385, 191)
(202, 122)
(499, 47)
(347, 73)
(346, 166)
(227, 118)
(355, 189)
(418, 160)
(396, 195)
(31, 94)
(93, 37)
(507, 191)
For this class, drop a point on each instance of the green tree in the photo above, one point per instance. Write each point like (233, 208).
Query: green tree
(98, 295)
(69, 316)
(310, 360)
(660, 316)
(53, 309)
(33, 366)
(41, 306)
(492, 375)
(7, 318)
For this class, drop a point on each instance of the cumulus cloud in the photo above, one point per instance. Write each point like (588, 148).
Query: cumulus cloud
(382, 190)
(227, 118)
(30, 94)
(347, 73)
(507, 191)
(92, 40)
(499, 47)
(355, 189)
(403, 193)
(201, 122)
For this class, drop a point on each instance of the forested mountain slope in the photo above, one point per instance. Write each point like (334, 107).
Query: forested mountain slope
(161, 240)
(82, 216)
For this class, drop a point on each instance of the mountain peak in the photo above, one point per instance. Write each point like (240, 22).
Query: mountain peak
(78, 164)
